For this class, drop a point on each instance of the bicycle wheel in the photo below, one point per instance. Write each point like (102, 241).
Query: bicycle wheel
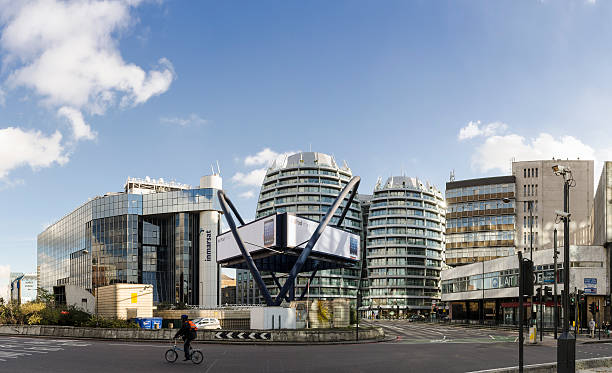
(197, 357)
(171, 356)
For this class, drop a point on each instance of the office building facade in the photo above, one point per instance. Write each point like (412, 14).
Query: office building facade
(480, 224)
(306, 184)
(154, 232)
(539, 188)
(404, 247)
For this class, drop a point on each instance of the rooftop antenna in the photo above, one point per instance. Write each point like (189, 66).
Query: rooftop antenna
(212, 169)
(218, 168)
(452, 175)
(310, 147)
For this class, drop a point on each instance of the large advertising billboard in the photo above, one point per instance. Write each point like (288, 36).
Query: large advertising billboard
(274, 234)
(333, 241)
(257, 236)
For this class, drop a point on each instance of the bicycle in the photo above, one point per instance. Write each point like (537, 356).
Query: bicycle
(171, 355)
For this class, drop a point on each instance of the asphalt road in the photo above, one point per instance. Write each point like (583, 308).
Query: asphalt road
(420, 348)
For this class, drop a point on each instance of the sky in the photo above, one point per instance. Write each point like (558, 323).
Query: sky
(92, 92)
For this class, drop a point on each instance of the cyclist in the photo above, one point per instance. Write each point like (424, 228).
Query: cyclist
(188, 332)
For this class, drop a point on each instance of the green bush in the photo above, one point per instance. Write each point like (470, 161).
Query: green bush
(103, 322)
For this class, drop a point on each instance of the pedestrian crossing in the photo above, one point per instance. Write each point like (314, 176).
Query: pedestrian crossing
(18, 347)
(401, 331)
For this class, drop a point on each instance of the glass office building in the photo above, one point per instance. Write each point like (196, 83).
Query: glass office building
(480, 225)
(306, 184)
(404, 247)
(154, 233)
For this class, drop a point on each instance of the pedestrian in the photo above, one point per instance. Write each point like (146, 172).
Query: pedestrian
(592, 327)
(188, 332)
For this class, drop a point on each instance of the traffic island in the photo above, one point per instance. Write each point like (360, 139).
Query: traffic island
(282, 336)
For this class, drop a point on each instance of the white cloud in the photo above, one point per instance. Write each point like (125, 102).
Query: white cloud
(247, 195)
(5, 277)
(251, 178)
(31, 148)
(474, 129)
(192, 119)
(265, 157)
(80, 129)
(67, 53)
(496, 152)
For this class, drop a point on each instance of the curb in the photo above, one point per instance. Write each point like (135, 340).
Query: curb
(198, 341)
(552, 367)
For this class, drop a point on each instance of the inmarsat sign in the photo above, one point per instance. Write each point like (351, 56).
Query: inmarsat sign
(287, 235)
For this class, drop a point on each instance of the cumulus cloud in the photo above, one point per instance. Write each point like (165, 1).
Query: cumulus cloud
(251, 178)
(80, 129)
(247, 195)
(5, 277)
(474, 129)
(264, 157)
(67, 54)
(192, 119)
(496, 152)
(29, 148)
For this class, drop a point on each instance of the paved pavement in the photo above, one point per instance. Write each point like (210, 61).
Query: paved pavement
(421, 348)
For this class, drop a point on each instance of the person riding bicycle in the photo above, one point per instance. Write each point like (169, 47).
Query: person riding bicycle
(188, 332)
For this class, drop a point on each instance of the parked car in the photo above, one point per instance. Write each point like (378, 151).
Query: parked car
(416, 317)
(207, 323)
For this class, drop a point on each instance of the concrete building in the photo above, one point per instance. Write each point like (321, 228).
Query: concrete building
(154, 232)
(602, 215)
(404, 247)
(480, 225)
(537, 185)
(23, 287)
(488, 291)
(306, 184)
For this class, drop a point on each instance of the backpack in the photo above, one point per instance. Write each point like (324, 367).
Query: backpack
(192, 326)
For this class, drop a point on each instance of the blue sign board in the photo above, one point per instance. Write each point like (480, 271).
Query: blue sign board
(590, 290)
(590, 281)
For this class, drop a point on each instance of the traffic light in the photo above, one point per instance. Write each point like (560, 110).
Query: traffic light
(527, 281)
(572, 299)
(592, 308)
(538, 296)
(581, 298)
(596, 308)
(548, 292)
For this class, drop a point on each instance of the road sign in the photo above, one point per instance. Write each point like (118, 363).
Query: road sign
(590, 290)
(590, 281)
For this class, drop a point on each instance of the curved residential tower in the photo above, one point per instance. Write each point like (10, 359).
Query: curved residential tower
(306, 184)
(404, 247)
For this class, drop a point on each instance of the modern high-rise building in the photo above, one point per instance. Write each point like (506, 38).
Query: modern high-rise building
(404, 246)
(154, 232)
(480, 225)
(306, 184)
(537, 186)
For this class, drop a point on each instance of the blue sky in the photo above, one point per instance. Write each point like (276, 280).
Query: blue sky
(92, 93)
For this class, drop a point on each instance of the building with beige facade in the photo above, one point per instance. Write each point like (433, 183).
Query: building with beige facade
(538, 186)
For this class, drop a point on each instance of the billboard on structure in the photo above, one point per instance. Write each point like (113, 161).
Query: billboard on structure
(281, 238)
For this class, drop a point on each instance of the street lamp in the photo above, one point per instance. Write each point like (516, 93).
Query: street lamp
(566, 344)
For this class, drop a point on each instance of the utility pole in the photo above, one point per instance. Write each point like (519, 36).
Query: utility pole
(541, 313)
(566, 344)
(530, 206)
(556, 308)
(521, 290)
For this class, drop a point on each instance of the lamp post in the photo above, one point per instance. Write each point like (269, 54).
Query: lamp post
(566, 344)
(555, 307)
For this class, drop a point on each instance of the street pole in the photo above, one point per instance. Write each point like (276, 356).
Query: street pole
(520, 291)
(541, 313)
(530, 205)
(483, 294)
(566, 344)
(556, 308)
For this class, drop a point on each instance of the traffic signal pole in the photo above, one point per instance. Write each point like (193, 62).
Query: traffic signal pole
(541, 313)
(521, 289)
(556, 307)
